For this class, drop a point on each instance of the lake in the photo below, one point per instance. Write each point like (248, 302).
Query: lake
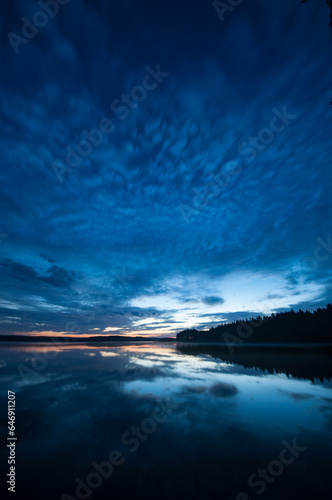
(161, 420)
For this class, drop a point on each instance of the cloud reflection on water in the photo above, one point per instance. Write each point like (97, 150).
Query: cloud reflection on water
(230, 420)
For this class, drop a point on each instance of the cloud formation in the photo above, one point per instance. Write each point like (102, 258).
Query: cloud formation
(110, 242)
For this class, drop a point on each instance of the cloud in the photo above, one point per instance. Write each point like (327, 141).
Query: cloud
(223, 390)
(301, 397)
(59, 277)
(213, 300)
(119, 209)
(56, 276)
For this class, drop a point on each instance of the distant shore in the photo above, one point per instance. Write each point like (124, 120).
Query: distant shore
(193, 343)
(81, 340)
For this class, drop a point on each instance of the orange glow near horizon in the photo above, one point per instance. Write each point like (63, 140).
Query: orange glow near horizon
(117, 346)
(88, 335)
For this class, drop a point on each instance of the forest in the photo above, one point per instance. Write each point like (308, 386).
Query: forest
(289, 327)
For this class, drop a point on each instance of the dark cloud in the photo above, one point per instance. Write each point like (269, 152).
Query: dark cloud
(56, 276)
(223, 390)
(19, 271)
(297, 396)
(51, 261)
(213, 300)
(300, 397)
(59, 277)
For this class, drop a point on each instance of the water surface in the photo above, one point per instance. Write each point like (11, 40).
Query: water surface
(209, 424)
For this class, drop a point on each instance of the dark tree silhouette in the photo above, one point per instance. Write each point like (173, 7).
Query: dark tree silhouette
(281, 328)
(307, 362)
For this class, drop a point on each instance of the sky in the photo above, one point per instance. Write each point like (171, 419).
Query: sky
(164, 165)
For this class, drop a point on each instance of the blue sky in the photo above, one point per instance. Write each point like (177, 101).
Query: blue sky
(205, 198)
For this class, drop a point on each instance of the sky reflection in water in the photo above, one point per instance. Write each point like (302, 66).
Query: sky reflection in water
(229, 421)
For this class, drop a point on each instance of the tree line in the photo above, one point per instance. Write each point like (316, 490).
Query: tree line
(280, 328)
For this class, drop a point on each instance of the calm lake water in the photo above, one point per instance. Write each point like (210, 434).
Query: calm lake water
(156, 421)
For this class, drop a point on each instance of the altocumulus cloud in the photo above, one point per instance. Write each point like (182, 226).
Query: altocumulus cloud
(117, 213)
